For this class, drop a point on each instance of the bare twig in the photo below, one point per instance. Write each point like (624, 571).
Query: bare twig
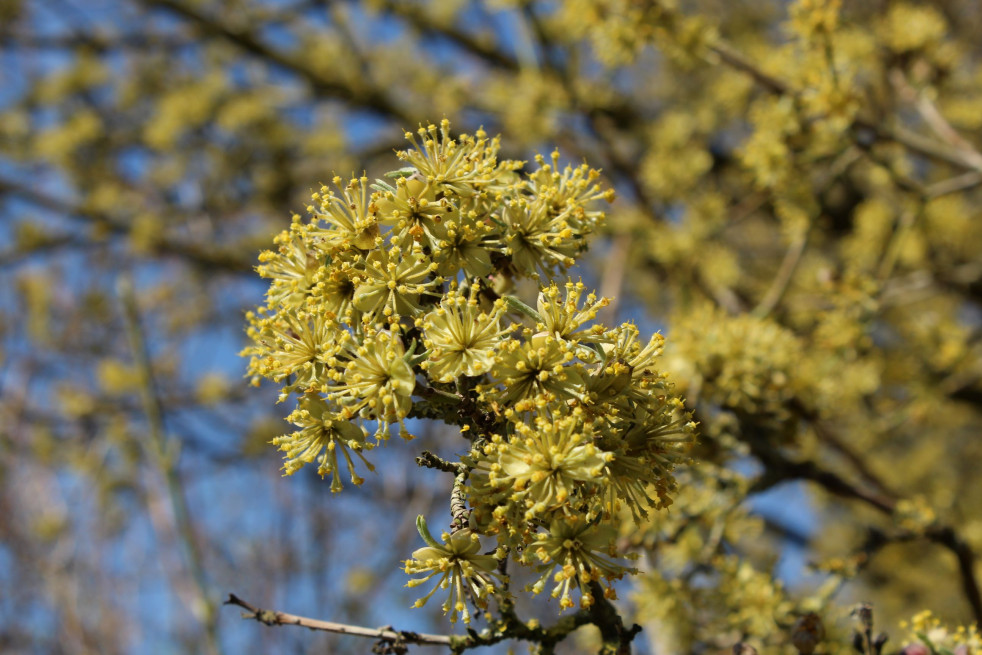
(917, 143)
(950, 539)
(163, 457)
(369, 98)
(784, 274)
(935, 120)
(780, 467)
(424, 391)
(857, 462)
(273, 617)
(458, 503)
(956, 184)
(612, 281)
(721, 295)
(208, 257)
(415, 15)
(734, 59)
(896, 243)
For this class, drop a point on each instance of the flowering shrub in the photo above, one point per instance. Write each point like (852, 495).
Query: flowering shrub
(393, 302)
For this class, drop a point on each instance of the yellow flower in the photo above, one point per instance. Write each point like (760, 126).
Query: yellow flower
(376, 382)
(547, 462)
(392, 283)
(457, 566)
(564, 318)
(541, 366)
(323, 433)
(576, 552)
(350, 217)
(416, 213)
(461, 338)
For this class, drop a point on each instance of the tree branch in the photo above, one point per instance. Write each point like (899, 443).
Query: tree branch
(780, 468)
(370, 98)
(935, 120)
(914, 142)
(784, 274)
(163, 456)
(203, 256)
(274, 617)
(946, 536)
(432, 461)
(415, 16)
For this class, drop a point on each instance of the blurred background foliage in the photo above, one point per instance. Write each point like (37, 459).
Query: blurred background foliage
(799, 210)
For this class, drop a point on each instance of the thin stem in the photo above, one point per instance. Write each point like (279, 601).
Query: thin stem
(784, 274)
(416, 17)
(612, 281)
(206, 257)
(956, 184)
(163, 456)
(862, 467)
(921, 145)
(458, 503)
(369, 98)
(431, 392)
(432, 461)
(602, 614)
(274, 617)
(935, 120)
(895, 246)
(780, 467)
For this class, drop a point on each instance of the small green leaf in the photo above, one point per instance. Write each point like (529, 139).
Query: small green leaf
(424, 532)
(517, 305)
(383, 186)
(408, 171)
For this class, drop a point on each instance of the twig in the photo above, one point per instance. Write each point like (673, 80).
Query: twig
(369, 98)
(721, 295)
(832, 482)
(416, 17)
(923, 146)
(914, 142)
(784, 274)
(734, 59)
(777, 465)
(98, 42)
(430, 460)
(745, 208)
(828, 435)
(616, 636)
(956, 184)
(163, 457)
(612, 281)
(53, 244)
(935, 120)
(895, 246)
(458, 503)
(861, 466)
(947, 537)
(273, 617)
(203, 256)
(598, 120)
(781, 468)
(424, 391)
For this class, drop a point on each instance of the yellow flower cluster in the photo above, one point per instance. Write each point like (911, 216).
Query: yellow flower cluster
(391, 303)
(742, 363)
(928, 631)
